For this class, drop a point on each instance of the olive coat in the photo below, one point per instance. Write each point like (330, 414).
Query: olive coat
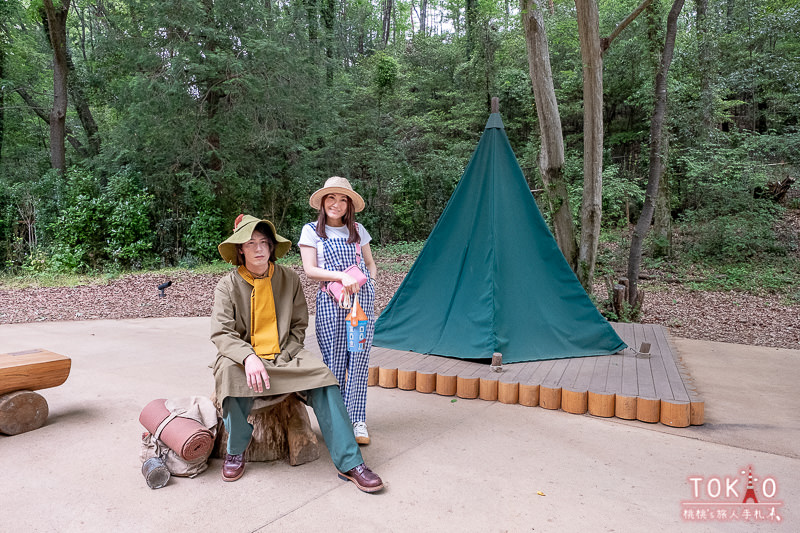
(295, 369)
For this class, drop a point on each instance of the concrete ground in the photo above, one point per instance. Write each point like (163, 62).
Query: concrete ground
(450, 464)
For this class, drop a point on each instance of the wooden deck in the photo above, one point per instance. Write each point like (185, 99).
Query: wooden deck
(651, 387)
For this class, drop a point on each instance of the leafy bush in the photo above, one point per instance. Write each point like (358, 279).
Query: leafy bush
(101, 224)
(735, 232)
(204, 235)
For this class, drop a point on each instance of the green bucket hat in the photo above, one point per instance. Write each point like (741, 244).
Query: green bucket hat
(242, 231)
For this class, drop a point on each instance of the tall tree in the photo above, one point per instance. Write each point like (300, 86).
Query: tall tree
(551, 153)
(386, 19)
(657, 153)
(592, 48)
(56, 15)
(2, 96)
(706, 69)
(591, 206)
(81, 103)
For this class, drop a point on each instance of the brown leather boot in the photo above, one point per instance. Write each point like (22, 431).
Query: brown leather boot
(233, 467)
(365, 479)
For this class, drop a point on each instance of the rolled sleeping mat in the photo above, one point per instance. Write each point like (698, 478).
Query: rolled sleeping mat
(185, 436)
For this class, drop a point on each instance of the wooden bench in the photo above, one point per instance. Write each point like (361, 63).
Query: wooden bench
(21, 373)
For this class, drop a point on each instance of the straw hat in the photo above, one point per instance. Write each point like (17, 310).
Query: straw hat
(242, 231)
(338, 185)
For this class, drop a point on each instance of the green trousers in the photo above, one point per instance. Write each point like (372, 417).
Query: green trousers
(331, 415)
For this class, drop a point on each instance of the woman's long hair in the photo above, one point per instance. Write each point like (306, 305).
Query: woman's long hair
(349, 220)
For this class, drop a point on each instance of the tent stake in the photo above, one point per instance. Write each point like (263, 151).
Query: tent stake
(497, 362)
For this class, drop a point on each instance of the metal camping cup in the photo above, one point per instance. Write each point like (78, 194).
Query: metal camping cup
(155, 472)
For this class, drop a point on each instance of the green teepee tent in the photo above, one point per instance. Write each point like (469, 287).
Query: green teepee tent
(491, 278)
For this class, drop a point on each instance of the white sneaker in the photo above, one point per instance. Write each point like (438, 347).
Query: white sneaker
(360, 431)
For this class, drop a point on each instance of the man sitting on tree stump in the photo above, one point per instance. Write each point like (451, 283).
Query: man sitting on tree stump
(258, 324)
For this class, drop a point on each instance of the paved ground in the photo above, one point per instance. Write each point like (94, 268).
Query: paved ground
(450, 465)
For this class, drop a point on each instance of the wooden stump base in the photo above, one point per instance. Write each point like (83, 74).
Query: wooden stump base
(406, 379)
(648, 409)
(426, 382)
(625, 407)
(575, 402)
(676, 413)
(282, 431)
(446, 385)
(387, 378)
(550, 397)
(22, 411)
(529, 395)
(697, 413)
(601, 404)
(468, 388)
(488, 387)
(508, 393)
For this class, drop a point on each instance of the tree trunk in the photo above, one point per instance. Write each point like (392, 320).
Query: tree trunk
(551, 155)
(704, 59)
(328, 18)
(471, 21)
(423, 15)
(387, 21)
(46, 118)
(657, 155)
(592, 57)
(57, 30)
(2, 101)
(82, 107)
(662, 221)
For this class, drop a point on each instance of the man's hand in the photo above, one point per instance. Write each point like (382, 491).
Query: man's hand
(257, 377)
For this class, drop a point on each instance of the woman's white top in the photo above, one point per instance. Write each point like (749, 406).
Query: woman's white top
(310, 238)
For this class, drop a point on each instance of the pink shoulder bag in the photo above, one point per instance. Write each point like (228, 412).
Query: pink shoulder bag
(335, 288)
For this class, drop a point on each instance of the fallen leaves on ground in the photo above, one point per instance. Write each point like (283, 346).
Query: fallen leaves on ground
(733, 317)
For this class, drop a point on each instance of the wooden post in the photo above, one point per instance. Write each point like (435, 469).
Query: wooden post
(495, 104)
(601, 403)
(574, 401)
(625, 407)
(648, 409)
(387, 378)
(529, 394)
(550, 397)
(676, 413)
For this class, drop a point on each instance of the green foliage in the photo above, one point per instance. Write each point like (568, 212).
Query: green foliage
(780, 276)
(619, 191)
(210, 109)
(101, 224)
(735, 236)
(385, 75)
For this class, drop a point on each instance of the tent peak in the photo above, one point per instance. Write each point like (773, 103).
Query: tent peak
(494, 122)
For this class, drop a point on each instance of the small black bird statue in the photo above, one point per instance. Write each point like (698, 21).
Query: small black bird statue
(162, 288)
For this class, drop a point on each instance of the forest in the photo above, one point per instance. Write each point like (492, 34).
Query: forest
(133, 132)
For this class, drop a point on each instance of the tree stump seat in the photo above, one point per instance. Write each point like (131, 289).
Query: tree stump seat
(21, 373)
(281, 430)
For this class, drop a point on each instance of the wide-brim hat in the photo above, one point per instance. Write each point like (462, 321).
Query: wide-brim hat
(242, 231)
(337, 185)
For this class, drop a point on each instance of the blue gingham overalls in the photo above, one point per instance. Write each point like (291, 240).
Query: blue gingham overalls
(350, 368)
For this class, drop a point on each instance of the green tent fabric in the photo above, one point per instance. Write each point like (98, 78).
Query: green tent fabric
(491, 277)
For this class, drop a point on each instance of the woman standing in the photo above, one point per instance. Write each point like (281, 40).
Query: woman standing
(329, 246)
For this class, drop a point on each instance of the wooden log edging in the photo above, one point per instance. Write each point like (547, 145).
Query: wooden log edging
(654, 387)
